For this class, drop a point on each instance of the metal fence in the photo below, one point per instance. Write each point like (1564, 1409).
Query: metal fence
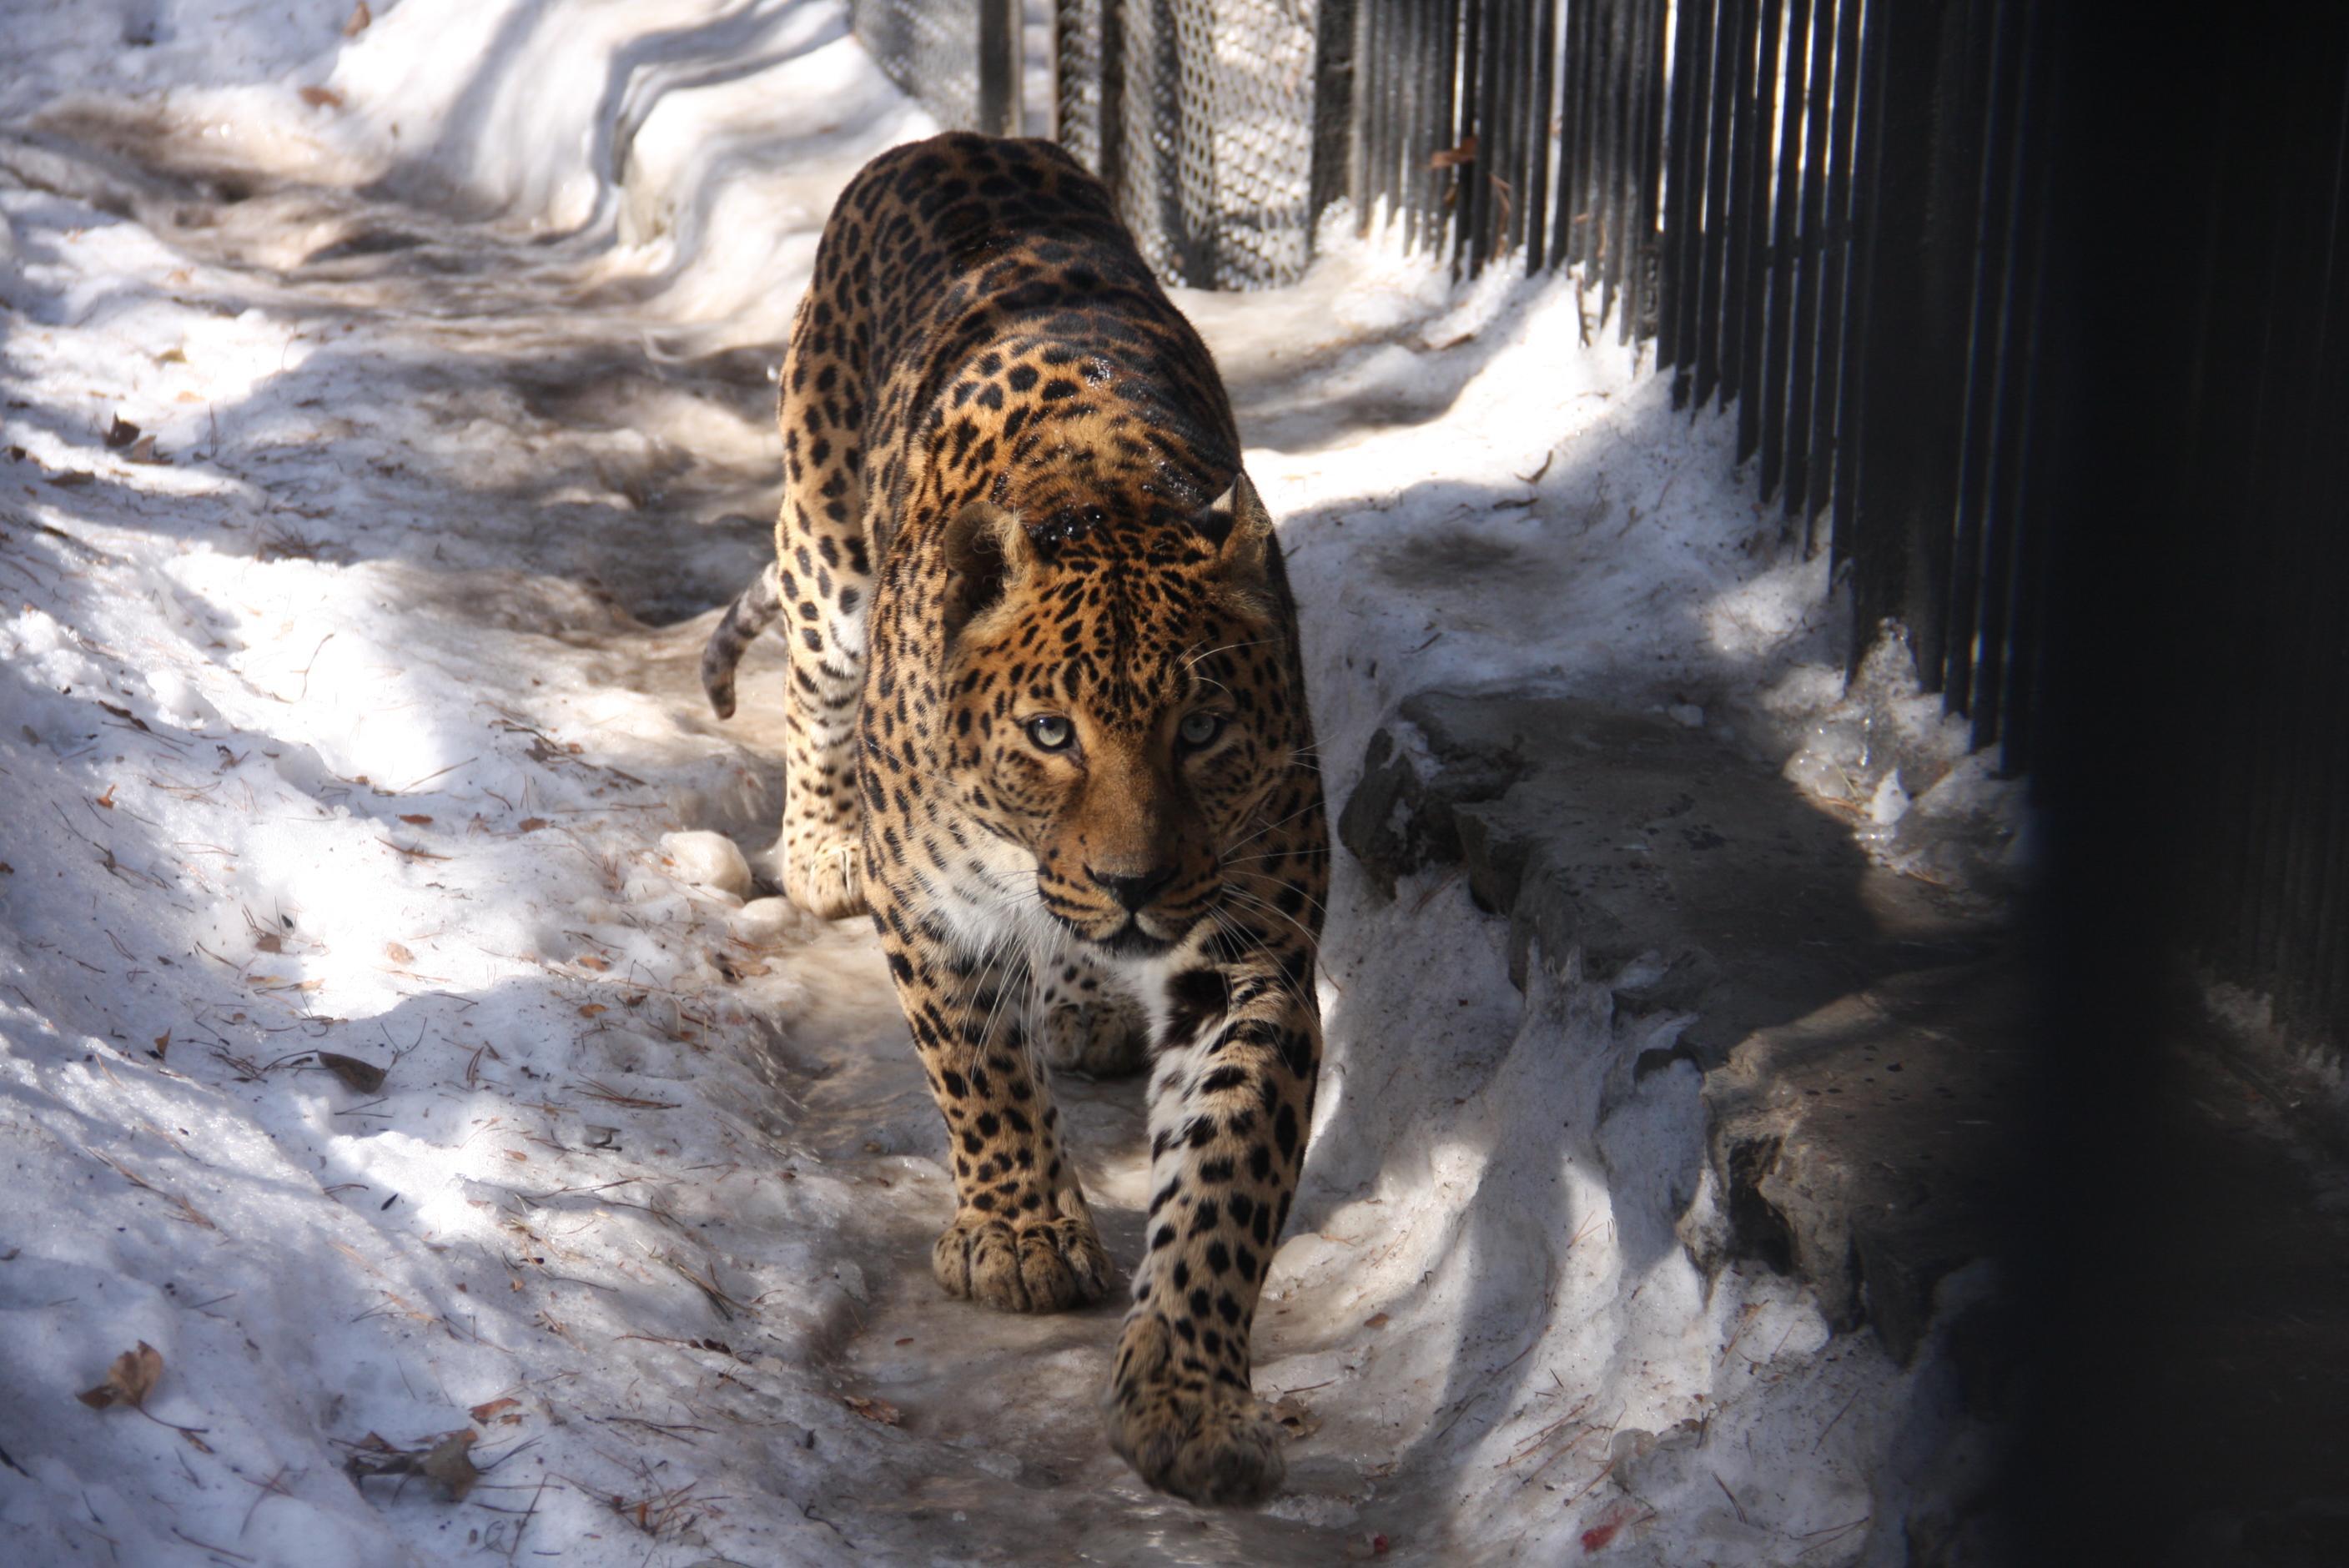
(1199, 115)
(2245, 448)
(1834, 217)
(958, 59)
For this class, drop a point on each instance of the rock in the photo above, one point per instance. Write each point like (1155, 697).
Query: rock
(1858, 1030)
(1864, 1147)
(710, 860)
(767, 919)
(1605, 835)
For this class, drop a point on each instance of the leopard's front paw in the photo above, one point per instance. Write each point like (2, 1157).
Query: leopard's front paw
(1107, 1037)
(1023, 1263)
(825, 878)
(1185, 1433)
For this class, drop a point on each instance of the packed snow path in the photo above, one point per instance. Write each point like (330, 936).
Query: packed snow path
(375, 441)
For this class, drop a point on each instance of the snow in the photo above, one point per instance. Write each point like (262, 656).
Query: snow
(356, 713)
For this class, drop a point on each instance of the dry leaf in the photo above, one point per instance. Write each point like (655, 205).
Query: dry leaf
(415, 818)
(321, 97)
(358, 1077)
(446, 1461)
(482, 1412)
(590, 961)
(1294, 1417)
(360, 17)
(271, 943)
(129, 1381)
(397, 953)
(532, 824)
(120, 433)
(1453, 157)
(880, 1410)
(1376, 1320)
(107, 800)
(142, 450)
(590, 1009)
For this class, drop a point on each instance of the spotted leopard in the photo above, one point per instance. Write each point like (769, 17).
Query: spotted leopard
(1046, 721)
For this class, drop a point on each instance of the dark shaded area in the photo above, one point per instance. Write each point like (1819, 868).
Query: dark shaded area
(2193, 699)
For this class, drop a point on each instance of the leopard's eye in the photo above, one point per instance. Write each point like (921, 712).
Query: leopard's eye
(1198, 729)
(1051, 732)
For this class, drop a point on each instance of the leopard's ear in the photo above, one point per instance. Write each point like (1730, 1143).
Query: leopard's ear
(987, 552)
(1237, 519)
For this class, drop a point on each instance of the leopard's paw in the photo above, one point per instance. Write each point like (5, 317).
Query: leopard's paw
(824, 877)
(1185, 1433)
(1107, 1037)
(1022, 1264)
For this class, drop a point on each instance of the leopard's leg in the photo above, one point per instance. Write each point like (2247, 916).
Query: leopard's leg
(1086, 1022)
(825, 586)
(1231, 1100)
(1022, 1239)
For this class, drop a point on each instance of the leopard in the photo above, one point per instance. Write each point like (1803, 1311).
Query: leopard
(1047, 726)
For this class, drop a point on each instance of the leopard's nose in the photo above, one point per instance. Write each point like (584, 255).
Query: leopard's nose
(1132, 892)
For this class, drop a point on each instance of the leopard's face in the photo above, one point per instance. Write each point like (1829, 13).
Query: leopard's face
(1124, 734)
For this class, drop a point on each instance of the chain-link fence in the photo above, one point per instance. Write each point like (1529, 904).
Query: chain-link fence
(958, 59)
(1198, 114)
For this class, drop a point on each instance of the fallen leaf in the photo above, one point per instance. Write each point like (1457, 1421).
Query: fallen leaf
(482, 1412)
(358, 1077)
(1376, 1320)
(121, 433)
(360, 17)
(271, 943)
(415, 818)
(447, 1461)
(142, 450)
(107, 800)
(532, 824)
(589, 1009)
(1294, 1417)
(590, 961)
(321, 97)
(880, 1410)
(397, 953)
(129, 1381)
(1453, 157)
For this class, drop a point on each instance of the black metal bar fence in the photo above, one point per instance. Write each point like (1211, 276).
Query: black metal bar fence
(1832, 216)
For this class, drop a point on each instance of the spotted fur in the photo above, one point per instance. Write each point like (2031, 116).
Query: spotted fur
(1048, 722)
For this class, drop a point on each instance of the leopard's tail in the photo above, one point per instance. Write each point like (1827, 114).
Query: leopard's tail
(751, 613)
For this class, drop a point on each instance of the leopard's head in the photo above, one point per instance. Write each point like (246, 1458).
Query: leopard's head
(1120, 705)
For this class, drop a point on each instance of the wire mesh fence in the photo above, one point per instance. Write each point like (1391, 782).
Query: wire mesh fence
(1200, 116)
(958, 59)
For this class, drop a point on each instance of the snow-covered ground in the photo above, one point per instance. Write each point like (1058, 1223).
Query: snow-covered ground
(382, 410)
